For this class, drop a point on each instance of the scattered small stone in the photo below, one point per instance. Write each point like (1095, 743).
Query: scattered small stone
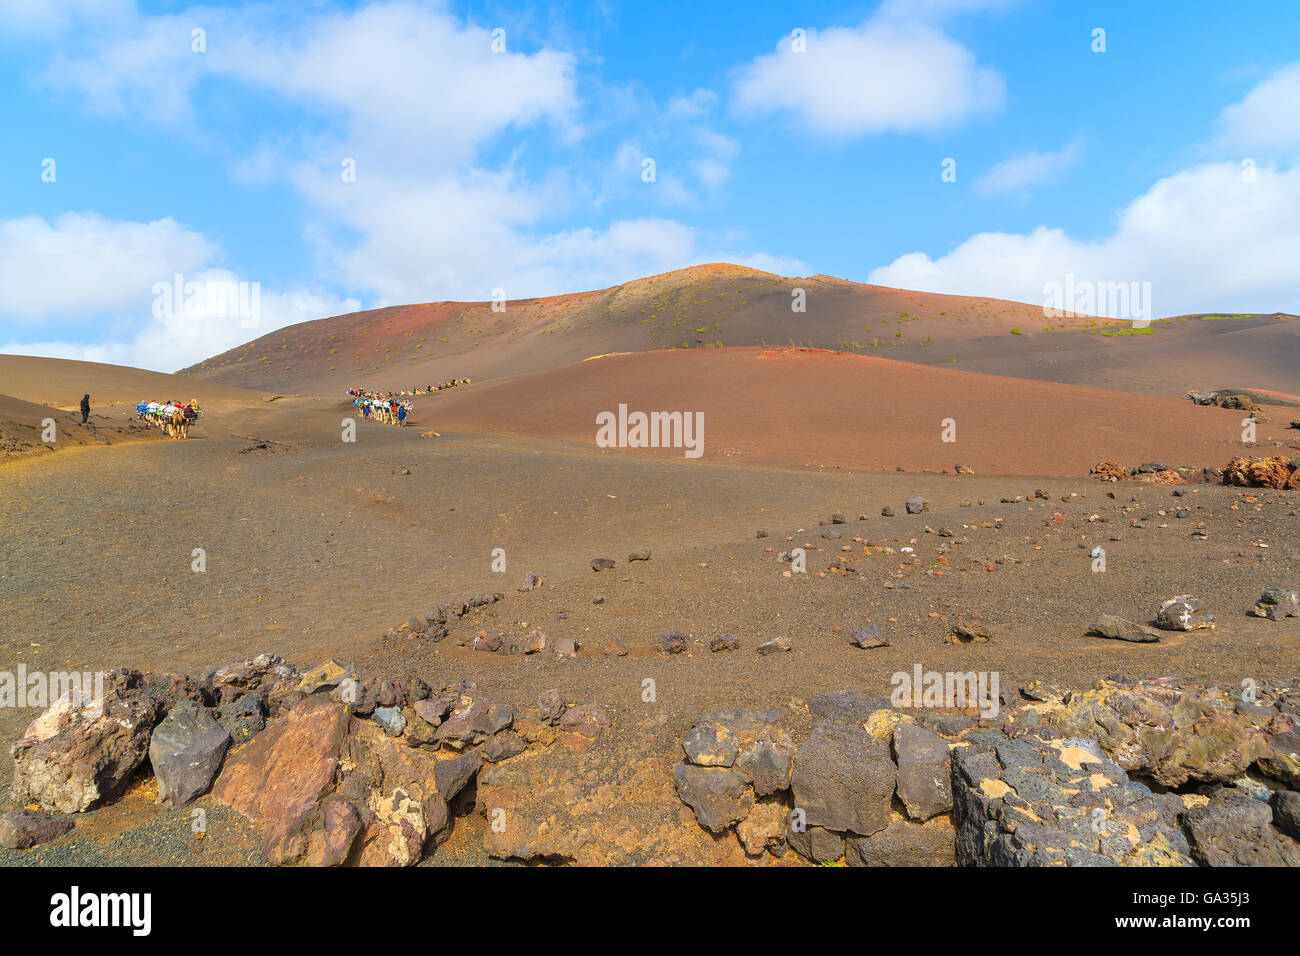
(774, 645)
(551, 706)
(916, 504)
(603, 564)
(869, 636)
(536, 642)
(887, 512)
(1277, 603)
(531, 582)
(1183, 613)
(587, 720)
(484, 641)
(391, 719)
(1120, 629)
(724, 643)
(643, 555)
(969, 633)
(671, 642)
(566, 648)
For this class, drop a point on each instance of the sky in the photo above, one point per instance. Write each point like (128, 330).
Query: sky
(334, 156)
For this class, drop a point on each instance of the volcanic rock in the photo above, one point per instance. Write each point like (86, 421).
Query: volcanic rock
(923, 772)
(23, 829)
(185, 751)
(1277, 603)
(82, 750)
(718, 796)
(1183, 613)
(1119, 629)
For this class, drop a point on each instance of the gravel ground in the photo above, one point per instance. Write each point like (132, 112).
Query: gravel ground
(318, 548)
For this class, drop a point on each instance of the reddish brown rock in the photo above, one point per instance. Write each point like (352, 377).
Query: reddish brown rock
(83, 750)
(23, 829)
(327, 789)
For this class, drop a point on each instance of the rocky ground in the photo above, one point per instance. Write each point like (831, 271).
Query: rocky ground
(365, 554)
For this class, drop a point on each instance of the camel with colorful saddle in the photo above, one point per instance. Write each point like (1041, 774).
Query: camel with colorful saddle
(173, 418)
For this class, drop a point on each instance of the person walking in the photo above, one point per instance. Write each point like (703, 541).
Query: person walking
(85, 407)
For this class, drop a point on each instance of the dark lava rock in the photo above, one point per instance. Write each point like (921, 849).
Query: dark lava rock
(186, 752)
(452, 776)
(551, 706)
(843, 779)
(502, 746)
(1235, 829)
(969, 633)
(719, 796)
(923, 772)
(1286, 812)
(1119, 629)
(671, 642)
(767, 764)
(1277, 603)
(904, 843)
(83, 749)
(23, 829)
(244, 719)
(869, 636)
(816, 843)
(1183, 613)
(1030, 801)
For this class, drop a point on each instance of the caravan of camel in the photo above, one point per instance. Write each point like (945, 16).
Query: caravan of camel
(391, 408)
(173, 418)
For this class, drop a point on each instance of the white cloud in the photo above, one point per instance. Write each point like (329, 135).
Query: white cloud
(45, 18)
(83, 268)
(82, 263)
(174, 342)
(1019, 173)
(885, 75)
(1267, 120)
(409, 81)
(415, 96)
(1205, 238)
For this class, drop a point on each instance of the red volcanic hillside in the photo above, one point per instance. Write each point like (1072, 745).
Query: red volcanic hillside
(806, 408)
(725, 305)
(704, 306)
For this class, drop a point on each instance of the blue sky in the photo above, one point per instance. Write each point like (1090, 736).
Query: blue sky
(1169, 158)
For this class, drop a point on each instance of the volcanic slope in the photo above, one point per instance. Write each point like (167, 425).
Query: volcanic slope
(726, 305)
(62, 382)
(806, 408)
(703, 306)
